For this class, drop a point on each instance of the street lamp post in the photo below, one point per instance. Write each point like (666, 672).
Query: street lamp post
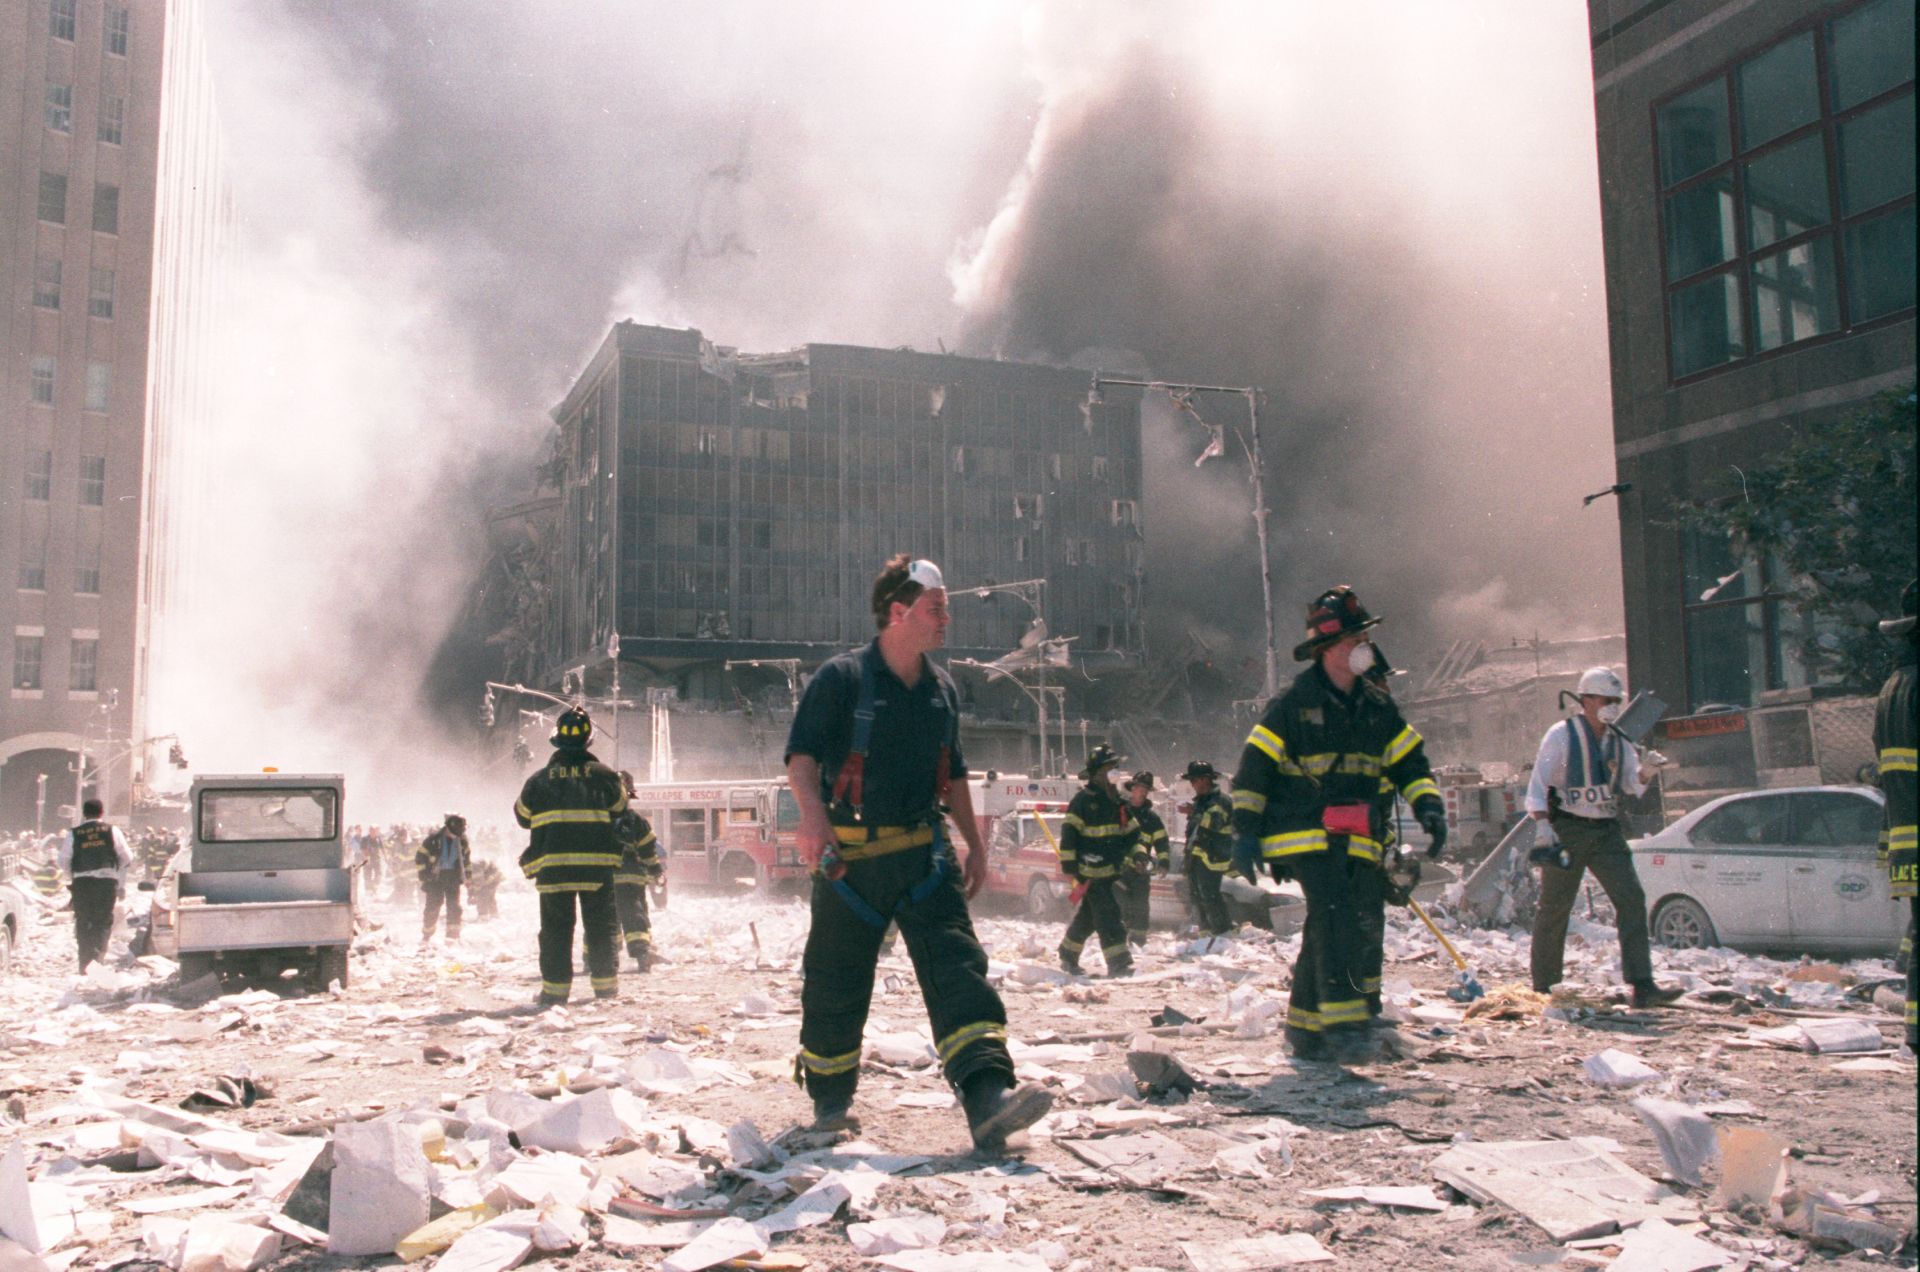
(1033, 592)
(1039, 701)
(1182, 395)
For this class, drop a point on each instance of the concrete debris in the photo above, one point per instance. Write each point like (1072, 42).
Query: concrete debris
(1658, 1246)
(1144, 1160)
(37, 1216)
(379, 1190)
(896, 1233)
(1256, 1254)
(1568, 1188)
(586, 1123)
(1617, 1070)
(1686, 1136)
(1386, 1197)
(1159, 1072)
(746, 1149)
(1829, 1036)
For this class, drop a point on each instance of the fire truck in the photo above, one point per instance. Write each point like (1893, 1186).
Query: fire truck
(740, 833)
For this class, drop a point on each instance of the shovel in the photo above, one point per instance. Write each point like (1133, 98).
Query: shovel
(1466, 986)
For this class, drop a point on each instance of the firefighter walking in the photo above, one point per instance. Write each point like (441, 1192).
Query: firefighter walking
(872, 757)
(95, 857)
(639, 868)
(1305, 799)
(1209, 846)
(569, 806)
(442, 863)
(1154, 859)
(1098, 843)
(1896, 741)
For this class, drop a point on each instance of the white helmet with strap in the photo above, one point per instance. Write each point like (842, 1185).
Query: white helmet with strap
(1601, 682)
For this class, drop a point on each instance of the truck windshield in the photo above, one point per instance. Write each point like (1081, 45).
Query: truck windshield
(282, 814)
(786, 811)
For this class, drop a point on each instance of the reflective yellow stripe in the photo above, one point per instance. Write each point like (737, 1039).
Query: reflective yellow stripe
(1318, 765)
(567, 816)
(1349, 1011)
(1421, 786)
(647, 841)
(965, 1036)
(1294, 842)
(1899, 759)
(857, 843)
(1097, 870)
(1248, 801)
(1113, 952)
(559, 989)
(1401, 747)
(631, 880)
(606, 982)
(1268, 743)
(639, 938)
(550, 888)
(605, 860)
(1899, 837)
(1301, 1018)
(1362, 847)
(520, 807)
(827, 1066)
(1370, 984)
(1071, 946)
(1107, 831)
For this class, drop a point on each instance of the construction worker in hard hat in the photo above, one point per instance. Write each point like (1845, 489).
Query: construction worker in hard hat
(441, 863)
(1585, 770)
(1306, 798)
(1155, 858)
(1896, 735)
(1209, 847)
(569, 805)
(1099, 842)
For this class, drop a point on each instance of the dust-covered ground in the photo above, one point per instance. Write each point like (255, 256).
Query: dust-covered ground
(1116, 1177)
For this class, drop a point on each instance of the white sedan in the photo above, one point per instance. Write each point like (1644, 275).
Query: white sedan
(1794, 869)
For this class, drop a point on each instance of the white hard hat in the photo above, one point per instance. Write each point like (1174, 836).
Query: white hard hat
(1601, 682)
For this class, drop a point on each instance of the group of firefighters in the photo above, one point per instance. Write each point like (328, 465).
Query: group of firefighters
(875, 765)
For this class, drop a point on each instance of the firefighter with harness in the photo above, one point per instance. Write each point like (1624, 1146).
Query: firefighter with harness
(874, 762)
(1209, 846)
(569, 806)
(1099, 842)
(1306, 797)
(1155, 857)
(640, 869)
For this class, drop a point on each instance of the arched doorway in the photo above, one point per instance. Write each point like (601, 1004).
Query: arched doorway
(24, 760)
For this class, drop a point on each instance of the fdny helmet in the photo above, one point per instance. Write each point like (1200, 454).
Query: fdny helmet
(1335, 613)
(1101, 758)
(574, 728)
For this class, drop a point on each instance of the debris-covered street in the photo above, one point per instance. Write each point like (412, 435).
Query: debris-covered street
(173, 1125)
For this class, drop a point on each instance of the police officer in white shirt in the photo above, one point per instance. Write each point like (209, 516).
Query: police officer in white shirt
(1584, 769)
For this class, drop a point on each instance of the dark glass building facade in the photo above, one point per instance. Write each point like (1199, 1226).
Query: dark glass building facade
(718, 505)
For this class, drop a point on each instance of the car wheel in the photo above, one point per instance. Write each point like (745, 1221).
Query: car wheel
(1040, 903)
(330, 966)
(1681, 923)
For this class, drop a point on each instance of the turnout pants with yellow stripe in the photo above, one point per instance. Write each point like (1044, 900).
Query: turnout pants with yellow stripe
(556, 939)
(1367, 884)
(630, 905)
(1099, 911)
(1327, 996)
(969, 1021)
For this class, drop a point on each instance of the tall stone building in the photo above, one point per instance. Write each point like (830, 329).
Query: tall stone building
(1757, 185)
(113, 210)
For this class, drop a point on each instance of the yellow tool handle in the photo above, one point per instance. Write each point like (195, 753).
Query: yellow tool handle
(1044, 828)
(1445, 944)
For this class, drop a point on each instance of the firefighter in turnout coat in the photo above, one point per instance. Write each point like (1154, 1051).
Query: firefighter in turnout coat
(1135, 885)
(1895, 724)
(1306, 799)
(569, 806)
(1209, 846)
(639, 867)
(442, 863)
(1099, 842)
(873, 759)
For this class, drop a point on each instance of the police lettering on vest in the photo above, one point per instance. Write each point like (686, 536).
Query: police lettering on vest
(1591, 785)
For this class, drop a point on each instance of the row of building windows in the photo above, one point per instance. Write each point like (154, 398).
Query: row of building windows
(62, 18)
(48, 273)
(33, 577)
(83, 663)
(43, 374)
(53, 203)
(93, 478)
(111, 126)
(1788, 191)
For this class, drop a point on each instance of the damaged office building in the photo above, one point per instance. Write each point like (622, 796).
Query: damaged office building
(702, 507)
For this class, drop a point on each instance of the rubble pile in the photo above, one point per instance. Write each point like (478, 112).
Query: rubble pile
(428, 1113)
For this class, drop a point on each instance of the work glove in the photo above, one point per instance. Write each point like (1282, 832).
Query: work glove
(1246, 856)
(1434, 822)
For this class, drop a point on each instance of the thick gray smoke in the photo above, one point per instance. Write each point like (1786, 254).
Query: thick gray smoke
(1385, 216)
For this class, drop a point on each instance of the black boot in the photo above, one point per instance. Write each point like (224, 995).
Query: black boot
(1070, 963)
(1648, 994)
(1305, 1044)
(995, 1110)
(643, 957)
(835, 1115)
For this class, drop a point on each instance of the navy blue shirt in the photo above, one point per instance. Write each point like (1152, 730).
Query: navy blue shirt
(909, 728)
